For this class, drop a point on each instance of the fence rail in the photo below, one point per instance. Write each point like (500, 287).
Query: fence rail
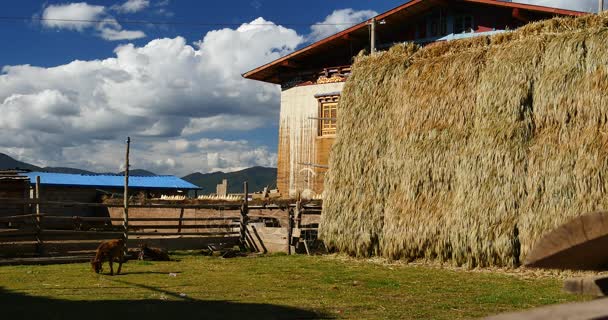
(43, 231)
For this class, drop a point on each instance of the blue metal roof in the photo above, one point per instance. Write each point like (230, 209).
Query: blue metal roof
(109, 181)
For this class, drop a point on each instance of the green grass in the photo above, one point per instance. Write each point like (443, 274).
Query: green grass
(267, 287)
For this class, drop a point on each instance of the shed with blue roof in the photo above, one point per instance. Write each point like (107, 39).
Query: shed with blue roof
(90, 188)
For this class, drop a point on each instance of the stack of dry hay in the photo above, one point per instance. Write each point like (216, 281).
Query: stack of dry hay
(469, 151)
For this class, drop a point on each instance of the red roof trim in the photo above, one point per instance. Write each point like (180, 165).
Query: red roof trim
(403, 7)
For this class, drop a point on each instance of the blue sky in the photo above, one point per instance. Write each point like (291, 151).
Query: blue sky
(70, 92)
(69, 112)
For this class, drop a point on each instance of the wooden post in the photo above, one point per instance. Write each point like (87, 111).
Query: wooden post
(181, 216)
(38, 220)
(600, 6)
(126, 198)
(289, 229)
(373, 36)
(244, 213)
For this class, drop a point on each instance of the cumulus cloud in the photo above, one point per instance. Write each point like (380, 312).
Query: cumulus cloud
(338, 21)
(83, 16)
(578, 5)
(166, 95)
(132, 6)
(80, 14)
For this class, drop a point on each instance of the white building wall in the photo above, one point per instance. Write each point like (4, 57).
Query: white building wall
(298, 105)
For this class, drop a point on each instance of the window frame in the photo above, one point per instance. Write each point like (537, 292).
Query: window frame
(328, 105)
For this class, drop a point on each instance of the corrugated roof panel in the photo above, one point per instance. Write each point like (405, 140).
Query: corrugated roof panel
(111, 181)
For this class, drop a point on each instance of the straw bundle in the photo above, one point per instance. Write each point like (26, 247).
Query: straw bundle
(469, 151)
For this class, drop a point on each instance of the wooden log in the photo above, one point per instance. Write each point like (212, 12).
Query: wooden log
(125, 224)
(213, 206)
(55, 235)
(26, 217)
(579, 244)
(38, 220)
(107, 219)
(195, 226)
(184, 219)
(18, 233)
(165, 234)
(244, 213)
(181, 216)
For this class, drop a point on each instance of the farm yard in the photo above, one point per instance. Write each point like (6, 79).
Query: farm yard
(268, 287)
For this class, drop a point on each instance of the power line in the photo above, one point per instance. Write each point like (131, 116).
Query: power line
(184, 23)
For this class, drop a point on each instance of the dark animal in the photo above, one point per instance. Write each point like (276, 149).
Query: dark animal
(111, 251)
(152, 254)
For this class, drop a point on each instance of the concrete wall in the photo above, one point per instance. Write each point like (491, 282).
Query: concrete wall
(299, 141)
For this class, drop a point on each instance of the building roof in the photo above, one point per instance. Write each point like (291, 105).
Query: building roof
(109, 181)
(323, 52)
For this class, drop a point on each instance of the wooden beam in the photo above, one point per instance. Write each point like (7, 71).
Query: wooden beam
(519, 15)
(290, 64)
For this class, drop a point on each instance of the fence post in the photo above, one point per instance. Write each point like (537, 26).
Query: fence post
(244, 213)
(126, 200)
(39, 248)
(181, 217)
(290, 215)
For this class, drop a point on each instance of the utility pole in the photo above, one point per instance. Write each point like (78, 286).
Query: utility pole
(373, 36)
(600, 6)
(126, 198)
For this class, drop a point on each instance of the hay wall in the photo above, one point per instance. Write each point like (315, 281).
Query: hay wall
(469, 151)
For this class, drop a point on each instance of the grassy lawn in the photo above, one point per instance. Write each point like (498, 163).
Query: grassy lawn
(267, 287)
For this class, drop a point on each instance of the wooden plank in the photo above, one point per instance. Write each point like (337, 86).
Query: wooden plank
(186, 226)
(214, 206)
(83, 219)
(107, 219)
(164, 234)
(181, 216)
(30, 217)
(185, 219)
(17, 233)
(45, 260)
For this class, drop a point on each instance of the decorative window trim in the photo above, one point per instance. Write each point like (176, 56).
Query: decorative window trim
(328, 108)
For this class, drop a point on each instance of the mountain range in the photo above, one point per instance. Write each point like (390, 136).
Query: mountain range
(257, 177)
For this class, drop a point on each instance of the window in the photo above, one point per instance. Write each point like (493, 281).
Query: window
(328, 114)
(463, 24)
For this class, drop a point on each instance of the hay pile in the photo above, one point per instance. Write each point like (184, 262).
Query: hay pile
(469, 151)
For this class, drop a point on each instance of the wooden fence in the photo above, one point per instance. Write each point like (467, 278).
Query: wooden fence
(42, 234)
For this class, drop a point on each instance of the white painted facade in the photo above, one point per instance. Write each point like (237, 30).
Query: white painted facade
(299, 133)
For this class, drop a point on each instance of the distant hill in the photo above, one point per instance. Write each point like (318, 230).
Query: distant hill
(7, 162)
(257, 178)
(139, 172)
(66, 170)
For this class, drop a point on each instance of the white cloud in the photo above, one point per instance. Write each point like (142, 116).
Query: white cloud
(132, 6)
(166, 95)
(224, 122)
(54, 16)
(578, 5)
(82, 16)
(113, 34)
(338, 21)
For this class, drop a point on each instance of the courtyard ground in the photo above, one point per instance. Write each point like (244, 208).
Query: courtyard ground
(268, 287)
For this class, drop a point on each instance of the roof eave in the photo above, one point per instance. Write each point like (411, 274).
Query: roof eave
(252, 74)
